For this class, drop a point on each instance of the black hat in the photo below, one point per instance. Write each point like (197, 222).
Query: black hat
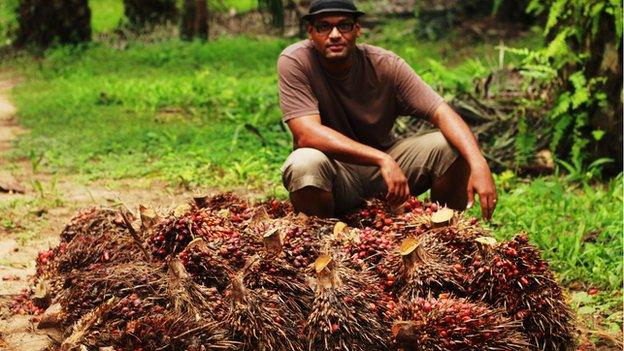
(325, 6)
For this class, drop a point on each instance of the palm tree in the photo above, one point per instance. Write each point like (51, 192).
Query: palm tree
(144, 14)
(44, 22)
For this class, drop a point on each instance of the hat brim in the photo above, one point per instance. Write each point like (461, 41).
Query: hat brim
(310, 16)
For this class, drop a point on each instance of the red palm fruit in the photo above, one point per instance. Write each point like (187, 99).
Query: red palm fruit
(423, 266)
(514, 276)
(345, 314)
(435, 324)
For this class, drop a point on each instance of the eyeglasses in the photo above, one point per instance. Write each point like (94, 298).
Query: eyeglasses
(326, 28)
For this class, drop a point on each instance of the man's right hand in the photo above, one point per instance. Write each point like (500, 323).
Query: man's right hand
(398, 189)
(309, 132)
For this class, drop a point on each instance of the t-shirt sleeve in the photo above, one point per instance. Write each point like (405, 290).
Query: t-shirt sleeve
(295, 93)
(416, 98)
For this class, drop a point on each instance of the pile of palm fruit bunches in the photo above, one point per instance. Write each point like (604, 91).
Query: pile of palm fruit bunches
(222, 274)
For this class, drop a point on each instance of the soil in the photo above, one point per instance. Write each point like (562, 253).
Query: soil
(32, 218)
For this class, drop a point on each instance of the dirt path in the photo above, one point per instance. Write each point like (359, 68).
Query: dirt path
(34, 207)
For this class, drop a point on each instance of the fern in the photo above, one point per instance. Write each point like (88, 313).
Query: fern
(556, 10)
(581, 90)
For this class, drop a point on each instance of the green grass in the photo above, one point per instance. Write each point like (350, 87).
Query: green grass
(174, 110)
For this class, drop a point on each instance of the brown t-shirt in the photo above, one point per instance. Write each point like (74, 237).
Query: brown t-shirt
(364, 105)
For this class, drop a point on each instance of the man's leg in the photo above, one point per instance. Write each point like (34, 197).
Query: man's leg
(450, 188)
(320, 186)
(313, 201)
(308, 175)
(430, 162)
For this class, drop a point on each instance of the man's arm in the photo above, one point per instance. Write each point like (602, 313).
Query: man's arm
(457, 132)
(309, 132)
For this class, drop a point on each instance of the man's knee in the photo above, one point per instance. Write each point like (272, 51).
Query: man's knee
(308, 167)
(440, 146)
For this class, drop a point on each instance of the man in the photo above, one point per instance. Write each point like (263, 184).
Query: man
(340, 101)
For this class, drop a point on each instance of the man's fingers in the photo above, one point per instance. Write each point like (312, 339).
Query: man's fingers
(485, 209)
(406, 195)
(493, 201)
(470, 197)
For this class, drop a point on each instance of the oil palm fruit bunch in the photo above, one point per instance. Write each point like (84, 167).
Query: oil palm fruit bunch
(258, 318)
(129, 283)
(269, 270)
(204, 264)
(345, 313)
(301, 245)
(368, 246)
(156, 327)
(91, 221)
(423, 266)
(514, 276)
(185, 224)
(191, 300)
(447, 324)
(376, 214)
(463, 235)
(227, 204)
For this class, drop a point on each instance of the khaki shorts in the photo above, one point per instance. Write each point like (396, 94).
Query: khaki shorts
(422, 158)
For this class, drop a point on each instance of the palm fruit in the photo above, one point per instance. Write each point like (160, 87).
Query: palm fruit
(190, 299)
(376, 214)
(174, 233)
(269, 270)
(92, 221)
(345, 313)
(367, 247)
(301, 245)
(447, 324)
(228, 205)
(258, 318)
(462, 235)
(205, 265)
(135, 324)
(512, 275)
(90, 289)
(423, 266)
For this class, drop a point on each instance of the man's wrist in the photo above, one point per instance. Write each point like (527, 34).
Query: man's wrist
(478, 163)
(382, 158)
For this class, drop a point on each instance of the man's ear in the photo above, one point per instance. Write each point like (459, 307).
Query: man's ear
(358, 29)
(309, 29)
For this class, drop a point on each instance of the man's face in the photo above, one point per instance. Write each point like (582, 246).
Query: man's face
(334, 35)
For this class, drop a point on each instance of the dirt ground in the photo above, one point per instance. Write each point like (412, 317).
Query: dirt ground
(34, 207)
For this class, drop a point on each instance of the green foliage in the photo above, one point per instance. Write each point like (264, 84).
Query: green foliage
(561, 68)
(106, 15)
(8, 21)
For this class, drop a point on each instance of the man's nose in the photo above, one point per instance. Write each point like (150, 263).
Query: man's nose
(335, 34)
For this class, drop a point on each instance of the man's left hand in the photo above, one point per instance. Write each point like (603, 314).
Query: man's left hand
(482, 183)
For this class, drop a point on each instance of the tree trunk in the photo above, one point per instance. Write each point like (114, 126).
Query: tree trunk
(145, 14)
(194, 20)
(44, 22)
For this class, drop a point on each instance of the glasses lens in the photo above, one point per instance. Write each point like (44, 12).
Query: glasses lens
(345, 27)
(324, 28)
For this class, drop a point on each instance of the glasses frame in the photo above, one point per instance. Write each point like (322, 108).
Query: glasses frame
(350, 27)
